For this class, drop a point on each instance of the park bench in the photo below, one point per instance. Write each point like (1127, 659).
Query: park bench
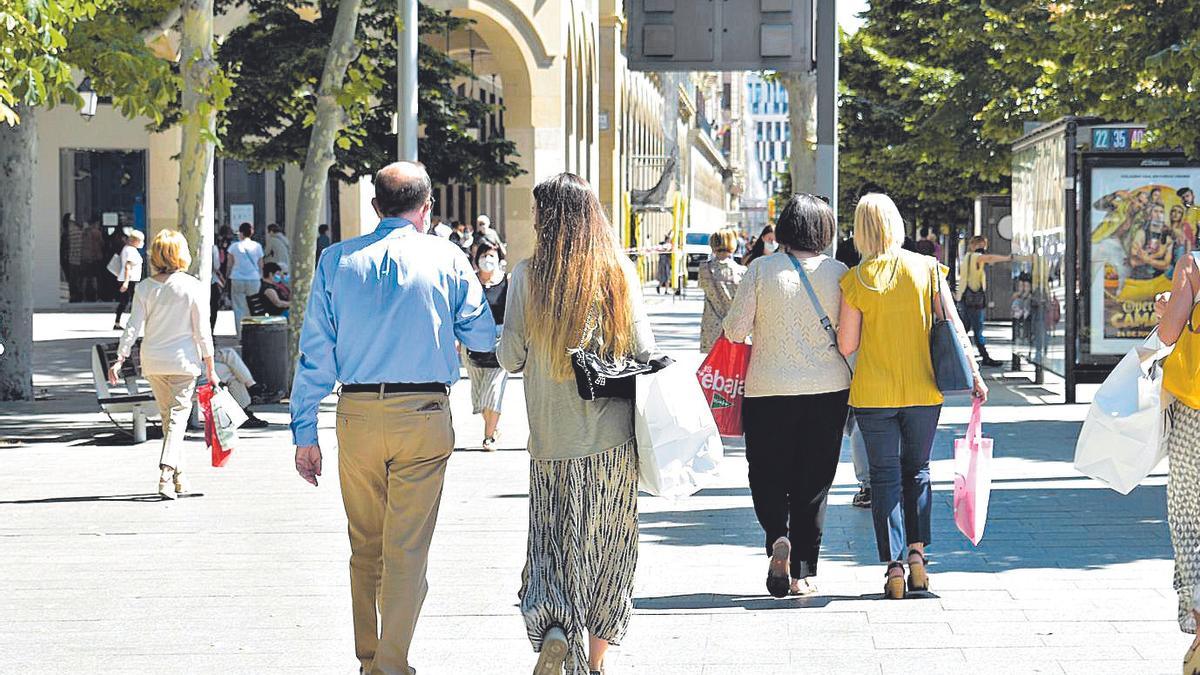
(134, 400)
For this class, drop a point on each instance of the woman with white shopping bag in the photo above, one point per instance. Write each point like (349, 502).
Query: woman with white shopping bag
(1180, 326)
(171, 309)
(577, 294)
(797, 388)
(890, 302)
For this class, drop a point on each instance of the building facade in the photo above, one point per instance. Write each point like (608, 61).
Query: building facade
(769, 144)
(567, 102)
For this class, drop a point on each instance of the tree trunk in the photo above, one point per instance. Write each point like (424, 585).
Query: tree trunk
(18, 157)
(802, 118)
(199, 131)
(329, 122)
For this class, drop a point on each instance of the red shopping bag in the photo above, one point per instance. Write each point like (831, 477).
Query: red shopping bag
(219, 455)
(972, 478)
(723, 378)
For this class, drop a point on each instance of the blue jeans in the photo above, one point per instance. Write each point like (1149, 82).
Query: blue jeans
(973, 320)
(899, 441)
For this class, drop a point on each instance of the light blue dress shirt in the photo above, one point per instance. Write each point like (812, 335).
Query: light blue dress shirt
(386, 307)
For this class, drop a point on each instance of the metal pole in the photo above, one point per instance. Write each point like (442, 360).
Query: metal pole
(827, 86)
(406, 80)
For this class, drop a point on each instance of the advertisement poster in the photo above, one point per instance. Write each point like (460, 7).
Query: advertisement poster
(1143, 219)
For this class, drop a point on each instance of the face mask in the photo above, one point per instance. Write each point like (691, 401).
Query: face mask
(489, 265)
(771, 246)
(277, 277)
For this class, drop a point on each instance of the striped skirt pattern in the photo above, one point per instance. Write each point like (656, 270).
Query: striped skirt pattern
(582, 552)
(1183, 509)
(487, 386)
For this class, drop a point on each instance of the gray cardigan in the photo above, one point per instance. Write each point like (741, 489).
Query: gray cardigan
(562, 425)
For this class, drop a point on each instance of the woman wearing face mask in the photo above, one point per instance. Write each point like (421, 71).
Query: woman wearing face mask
(764, 245)
(486, 375)
(273, 296)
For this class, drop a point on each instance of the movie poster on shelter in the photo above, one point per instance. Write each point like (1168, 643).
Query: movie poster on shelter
(1143, 220)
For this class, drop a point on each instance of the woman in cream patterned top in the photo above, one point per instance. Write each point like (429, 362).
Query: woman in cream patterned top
(797, 389)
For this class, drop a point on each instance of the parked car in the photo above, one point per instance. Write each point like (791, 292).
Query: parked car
(696, 250)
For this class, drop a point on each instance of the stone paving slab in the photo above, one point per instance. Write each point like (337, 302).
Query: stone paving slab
(99, 577)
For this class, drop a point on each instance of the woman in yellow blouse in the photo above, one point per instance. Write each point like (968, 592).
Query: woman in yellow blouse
(888, 305)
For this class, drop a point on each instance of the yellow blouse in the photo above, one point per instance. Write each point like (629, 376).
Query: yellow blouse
(893, 293)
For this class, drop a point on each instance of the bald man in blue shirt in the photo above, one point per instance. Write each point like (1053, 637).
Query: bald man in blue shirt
(382, 320)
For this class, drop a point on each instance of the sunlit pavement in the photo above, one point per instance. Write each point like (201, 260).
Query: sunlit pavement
(251, 577)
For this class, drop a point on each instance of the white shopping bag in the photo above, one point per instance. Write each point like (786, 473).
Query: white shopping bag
(227, 417)
(679, 447)
(1125, 434)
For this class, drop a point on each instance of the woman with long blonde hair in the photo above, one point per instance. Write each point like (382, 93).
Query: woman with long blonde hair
(576, 292)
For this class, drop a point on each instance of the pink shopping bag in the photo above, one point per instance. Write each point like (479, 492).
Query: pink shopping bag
(972, 478)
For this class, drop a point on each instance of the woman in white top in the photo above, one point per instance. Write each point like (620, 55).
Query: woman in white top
(177, 342)
(129, 273)
(796, 389)
(719, 279)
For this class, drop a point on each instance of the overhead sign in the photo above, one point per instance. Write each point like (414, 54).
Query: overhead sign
(712, 35)
(241, 213)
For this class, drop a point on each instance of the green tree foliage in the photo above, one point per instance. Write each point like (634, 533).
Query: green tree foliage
(907, 128)
(276, 60)
(33, 67)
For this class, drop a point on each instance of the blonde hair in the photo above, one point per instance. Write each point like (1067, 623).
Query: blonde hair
(578, 290)
(878, 227)
(722, 241)
(978, 241)
(169, 252)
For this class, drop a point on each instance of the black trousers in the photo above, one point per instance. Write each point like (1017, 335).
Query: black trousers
(792, 446)
(124, 300)
(214, 305)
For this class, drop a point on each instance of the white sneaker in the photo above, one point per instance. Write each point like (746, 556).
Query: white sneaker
(554, 652)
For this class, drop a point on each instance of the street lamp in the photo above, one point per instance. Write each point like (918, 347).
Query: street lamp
(90, 99)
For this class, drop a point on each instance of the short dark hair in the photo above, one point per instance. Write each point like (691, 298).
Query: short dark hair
(322, 229)
(246, 229)
(271, 268)
(274, 228)
(396, 193)
(1184, 190)
(483, 248)
(806, 224)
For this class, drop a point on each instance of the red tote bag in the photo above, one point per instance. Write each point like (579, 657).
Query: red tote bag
(219, 455)
(723, 378)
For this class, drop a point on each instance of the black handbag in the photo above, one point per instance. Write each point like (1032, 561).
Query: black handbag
(596, 377)
(951, 364)
(973, 299)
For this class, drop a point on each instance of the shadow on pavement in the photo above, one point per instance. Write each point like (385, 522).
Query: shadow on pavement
(1028, 528)
(148, 497)
(748, 602)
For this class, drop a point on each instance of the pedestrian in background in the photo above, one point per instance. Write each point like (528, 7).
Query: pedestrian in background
(764, 245)
(1180, 326)
(797, 387)
(129, 272)
(488, 379)
(972, 296)
(576, 292)
(93, 262)
(246, 256)
(389, 339)
(323, 240)
(664, 263)
(719, 278)
(216, 286)
(485, 233)
(889, 302)
(274, 297)
(278, 249)
(177, 347)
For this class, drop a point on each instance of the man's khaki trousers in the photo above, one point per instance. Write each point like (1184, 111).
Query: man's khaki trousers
(392, 456)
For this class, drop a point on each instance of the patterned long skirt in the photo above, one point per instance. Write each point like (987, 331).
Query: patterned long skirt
(582, 550)
(1183, 509)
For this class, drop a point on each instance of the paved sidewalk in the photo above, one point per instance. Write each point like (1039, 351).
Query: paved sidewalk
(99, 577)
